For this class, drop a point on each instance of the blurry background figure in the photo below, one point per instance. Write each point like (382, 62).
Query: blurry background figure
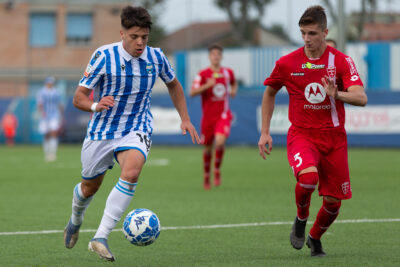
(9, 124)
(331, 43)
(51, 113)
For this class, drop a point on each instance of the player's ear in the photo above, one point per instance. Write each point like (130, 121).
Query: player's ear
(121, 32)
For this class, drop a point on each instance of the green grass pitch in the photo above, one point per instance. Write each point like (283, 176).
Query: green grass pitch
(36, 196)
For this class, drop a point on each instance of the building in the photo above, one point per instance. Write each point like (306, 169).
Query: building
(43, 37)
(201, 35)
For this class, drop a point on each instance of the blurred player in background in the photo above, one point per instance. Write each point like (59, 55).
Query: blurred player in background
(122, 76)
(51, 114)
(331, 43)
(319, 79)
(215, 84)
(9, 124)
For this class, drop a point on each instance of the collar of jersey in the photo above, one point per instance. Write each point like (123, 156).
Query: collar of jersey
(128, 56)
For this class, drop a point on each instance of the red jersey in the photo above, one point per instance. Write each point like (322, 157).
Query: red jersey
(214, 100)
(309, 106)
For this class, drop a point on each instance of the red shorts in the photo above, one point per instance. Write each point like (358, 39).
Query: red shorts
(211, 127)
(325, 149)
(9, 132)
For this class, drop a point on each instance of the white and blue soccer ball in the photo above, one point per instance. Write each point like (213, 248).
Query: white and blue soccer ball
(141, 227)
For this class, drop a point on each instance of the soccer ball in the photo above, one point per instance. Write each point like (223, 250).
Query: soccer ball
(141, 227)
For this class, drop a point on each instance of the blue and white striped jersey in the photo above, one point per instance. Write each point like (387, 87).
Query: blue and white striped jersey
(114, 72)
(50, 99)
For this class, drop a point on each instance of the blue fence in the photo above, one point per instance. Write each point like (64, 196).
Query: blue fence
(377, 125)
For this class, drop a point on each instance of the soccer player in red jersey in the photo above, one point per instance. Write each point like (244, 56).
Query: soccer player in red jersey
(215, 84)
(319, 80)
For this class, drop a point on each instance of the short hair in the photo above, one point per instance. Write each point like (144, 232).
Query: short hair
(314, 15)
(215, 46)
(132, 16)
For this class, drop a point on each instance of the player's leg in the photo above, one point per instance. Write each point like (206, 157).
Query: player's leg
(207, 139)
(207, 155)
(82, 196)
(53, 139)
(96, 158)
(222, 131)
(303, 157)
(220, 140)
(334, 186)
(131, 153)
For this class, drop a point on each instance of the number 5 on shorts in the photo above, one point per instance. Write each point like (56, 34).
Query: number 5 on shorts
(298, 158)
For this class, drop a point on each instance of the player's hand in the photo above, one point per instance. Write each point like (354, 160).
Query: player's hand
(187, 126)
(330, 87)
(105, 103)
(265, 145)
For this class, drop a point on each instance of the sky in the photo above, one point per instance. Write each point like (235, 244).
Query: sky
(179, 13)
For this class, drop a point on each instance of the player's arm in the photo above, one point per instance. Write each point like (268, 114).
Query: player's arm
(83, 102)
(197, 90)
(178, 98)
(234, 89)
(267, 109)
(355, 94)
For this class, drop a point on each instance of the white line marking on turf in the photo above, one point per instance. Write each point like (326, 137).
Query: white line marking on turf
(215, 226)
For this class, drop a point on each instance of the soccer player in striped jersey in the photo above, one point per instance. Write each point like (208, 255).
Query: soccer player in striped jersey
(215, 84)
(51, 112)
(320, 80)
(122, 76)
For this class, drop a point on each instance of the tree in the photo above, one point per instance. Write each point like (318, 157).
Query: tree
(240, 15)
(367, 7)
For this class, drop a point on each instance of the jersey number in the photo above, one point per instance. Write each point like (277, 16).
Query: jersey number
(298, 158)
(145, 140)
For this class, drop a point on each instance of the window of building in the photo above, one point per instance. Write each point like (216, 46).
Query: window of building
(42, 32)
(79, 28)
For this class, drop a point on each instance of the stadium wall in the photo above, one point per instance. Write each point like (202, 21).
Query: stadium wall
(376, 125)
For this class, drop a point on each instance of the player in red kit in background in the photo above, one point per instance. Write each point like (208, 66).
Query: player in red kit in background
(319, 80)
(215, 84)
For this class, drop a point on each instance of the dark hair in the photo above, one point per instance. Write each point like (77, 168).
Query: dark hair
(314, 15)
(132, 16)
(215, 46)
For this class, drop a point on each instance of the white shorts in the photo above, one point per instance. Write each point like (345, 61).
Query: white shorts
(98, 155)
(46, 126)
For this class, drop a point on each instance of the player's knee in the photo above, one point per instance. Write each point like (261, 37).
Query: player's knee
(89, 189)
(308, 180)
(331, 204)
(130, 175)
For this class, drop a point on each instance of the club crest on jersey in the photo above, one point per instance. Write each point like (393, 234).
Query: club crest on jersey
(331, 72)
(312, 66)
(315, 93)
(346, 187)
(149, 68)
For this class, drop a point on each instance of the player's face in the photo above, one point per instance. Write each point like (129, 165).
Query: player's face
(215, 57)
(134, 40)
(313, 37)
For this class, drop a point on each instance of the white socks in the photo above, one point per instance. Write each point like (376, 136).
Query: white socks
(50, 148)
(117, 202)
(79, 205)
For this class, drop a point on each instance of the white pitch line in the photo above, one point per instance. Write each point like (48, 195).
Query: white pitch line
(215, 226)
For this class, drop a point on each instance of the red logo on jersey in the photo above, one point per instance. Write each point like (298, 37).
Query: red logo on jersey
(315, 91)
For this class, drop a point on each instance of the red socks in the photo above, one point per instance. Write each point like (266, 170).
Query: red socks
(304, 188)
(219, 154)
(326, 216)
(206, 166)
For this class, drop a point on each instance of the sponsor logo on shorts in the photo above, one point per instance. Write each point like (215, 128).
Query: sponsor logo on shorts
(346, 187)
(311, 66)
